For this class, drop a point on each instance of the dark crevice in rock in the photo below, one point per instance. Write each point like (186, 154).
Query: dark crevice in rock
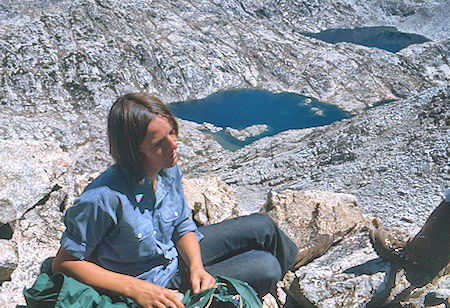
(381, 103)
(55, 187)
(62, 205)
(6, 232)
(314, 223)
(432, 299)
(298, 296)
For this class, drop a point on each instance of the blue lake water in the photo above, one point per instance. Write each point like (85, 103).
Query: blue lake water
(387, 38)
(241, 108)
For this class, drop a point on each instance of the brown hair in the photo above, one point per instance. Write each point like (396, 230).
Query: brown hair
(128, 119)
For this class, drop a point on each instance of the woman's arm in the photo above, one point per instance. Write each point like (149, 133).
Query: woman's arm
(144, 293)
(189, 250)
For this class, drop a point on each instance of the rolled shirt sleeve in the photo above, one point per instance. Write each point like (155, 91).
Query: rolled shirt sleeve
(184, 227)
(88, 221)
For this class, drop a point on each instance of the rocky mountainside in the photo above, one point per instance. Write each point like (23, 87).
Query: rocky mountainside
(394, 158)
(62, 63)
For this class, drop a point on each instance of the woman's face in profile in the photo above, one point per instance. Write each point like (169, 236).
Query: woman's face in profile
(159, 146)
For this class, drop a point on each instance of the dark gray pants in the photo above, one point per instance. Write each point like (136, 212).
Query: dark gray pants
(250, 248)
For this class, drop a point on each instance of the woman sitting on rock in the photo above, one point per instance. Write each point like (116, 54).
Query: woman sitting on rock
(124, 235)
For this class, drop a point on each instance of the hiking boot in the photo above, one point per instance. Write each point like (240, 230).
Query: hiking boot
(423, 256)
(387, 247)
(317, 248)
(419, 269)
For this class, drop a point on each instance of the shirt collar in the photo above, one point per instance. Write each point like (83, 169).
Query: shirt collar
(163, 185)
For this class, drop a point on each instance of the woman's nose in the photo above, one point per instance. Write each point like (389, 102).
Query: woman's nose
(173, 141)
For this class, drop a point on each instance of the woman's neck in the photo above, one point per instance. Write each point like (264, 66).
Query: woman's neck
(152, 177)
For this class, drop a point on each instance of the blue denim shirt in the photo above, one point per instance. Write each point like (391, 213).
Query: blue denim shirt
(126, 227)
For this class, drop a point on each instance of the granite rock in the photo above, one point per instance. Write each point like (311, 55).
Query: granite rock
(248, 132)
(8, 259)
(30, 172)
(304, 215)
(210, 200)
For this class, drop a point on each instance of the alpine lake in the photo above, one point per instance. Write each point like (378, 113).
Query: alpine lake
(238, 117)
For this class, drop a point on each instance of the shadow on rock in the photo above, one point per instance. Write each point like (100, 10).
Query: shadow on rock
(368, 268)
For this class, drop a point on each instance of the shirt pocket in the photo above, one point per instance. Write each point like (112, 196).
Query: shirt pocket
(135, 242)
(169, 218)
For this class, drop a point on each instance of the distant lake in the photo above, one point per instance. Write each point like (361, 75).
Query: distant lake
(241, 108)
(387, 38)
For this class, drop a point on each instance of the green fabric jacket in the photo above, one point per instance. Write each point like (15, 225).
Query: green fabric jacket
(61, 291)
(227, 293)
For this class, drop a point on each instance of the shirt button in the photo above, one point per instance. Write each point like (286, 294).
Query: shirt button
(175, 213)
(154, 232)
(139, 235)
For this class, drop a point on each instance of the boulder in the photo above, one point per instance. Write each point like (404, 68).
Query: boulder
(350, 274)
(30, 171)
(36, 236)
(210, 200)
(435, 293)
(303, 215)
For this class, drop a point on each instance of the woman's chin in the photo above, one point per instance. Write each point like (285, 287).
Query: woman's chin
(174, 161)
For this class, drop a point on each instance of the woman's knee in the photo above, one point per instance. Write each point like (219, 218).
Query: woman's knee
(263, 221)
(263, 266)
(267, 274)
(269, 266)
(264, 218)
